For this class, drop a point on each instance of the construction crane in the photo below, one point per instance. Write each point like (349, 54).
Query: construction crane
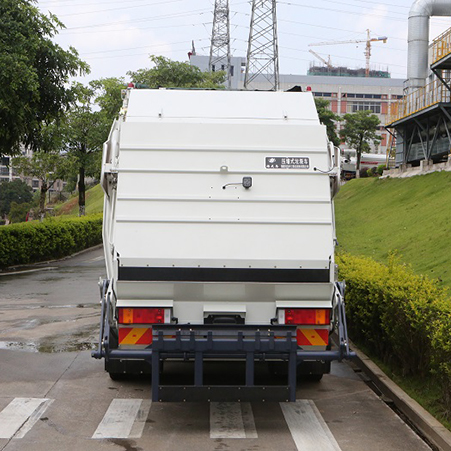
(327, 62)
(367, 52)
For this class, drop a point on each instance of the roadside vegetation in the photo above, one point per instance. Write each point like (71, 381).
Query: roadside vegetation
(94, 203)
(411, 217)
(395, 236)
(35, 241)
(403, 319)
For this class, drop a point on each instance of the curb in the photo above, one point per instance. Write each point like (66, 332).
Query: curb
(17, 268)
(432, 429)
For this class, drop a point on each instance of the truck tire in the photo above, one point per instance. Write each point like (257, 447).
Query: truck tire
(312, 371)
(125, 369)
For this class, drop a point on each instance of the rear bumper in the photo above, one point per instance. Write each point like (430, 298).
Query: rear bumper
(200, 343)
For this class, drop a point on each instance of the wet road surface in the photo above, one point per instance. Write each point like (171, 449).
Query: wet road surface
(54, 396)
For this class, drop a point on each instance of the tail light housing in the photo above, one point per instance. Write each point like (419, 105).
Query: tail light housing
(304, 316)
(145, 315)
(308, 336)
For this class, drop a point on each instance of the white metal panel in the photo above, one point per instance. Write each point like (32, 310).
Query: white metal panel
(277, 136)
(272, 187)
(167, 303)
(220, 242)
(178, 149)
(220, 104)
(190, 299)
(230, 307)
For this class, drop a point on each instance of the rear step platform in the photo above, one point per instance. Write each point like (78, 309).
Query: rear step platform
(205, 342)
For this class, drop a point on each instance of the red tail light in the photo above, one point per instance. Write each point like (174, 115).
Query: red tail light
(144, 316)
(304, 316)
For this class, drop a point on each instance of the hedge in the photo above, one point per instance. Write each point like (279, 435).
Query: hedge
(401, 317)
(32, 242)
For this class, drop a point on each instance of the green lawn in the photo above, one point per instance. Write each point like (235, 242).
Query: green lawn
(94, 203)
(411, 216)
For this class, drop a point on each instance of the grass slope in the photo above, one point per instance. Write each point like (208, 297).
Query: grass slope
(411, 216)
(94, 203)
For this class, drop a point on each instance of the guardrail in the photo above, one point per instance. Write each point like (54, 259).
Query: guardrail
(441, 46)
(431, 94)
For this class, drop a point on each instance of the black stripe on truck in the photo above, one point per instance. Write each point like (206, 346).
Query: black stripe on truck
(224, 275)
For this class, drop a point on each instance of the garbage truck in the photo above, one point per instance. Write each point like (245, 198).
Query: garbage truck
(219, 240)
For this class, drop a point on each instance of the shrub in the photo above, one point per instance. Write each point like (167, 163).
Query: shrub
(32, 242)
(363, 173)
(401, 317)
(18, 212)
(380, 169)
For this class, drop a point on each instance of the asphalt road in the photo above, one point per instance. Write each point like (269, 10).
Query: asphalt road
(54, 396)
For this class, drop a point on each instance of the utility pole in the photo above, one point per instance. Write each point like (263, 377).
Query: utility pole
(262, 50)
(220, 40)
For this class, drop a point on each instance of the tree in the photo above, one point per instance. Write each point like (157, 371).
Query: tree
(359, 131)
(108, 95)
(328, 118)
(34, 74)
(15, 191)
(174, 74)
(86, 131)
(19, 212)
(47, 167)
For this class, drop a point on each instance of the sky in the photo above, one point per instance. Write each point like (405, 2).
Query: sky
(114, 36)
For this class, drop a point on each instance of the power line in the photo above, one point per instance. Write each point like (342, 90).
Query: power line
(144, 19)
(123, 7)
(187, 42)
(319, 26)
(139, 28)
(74, 3)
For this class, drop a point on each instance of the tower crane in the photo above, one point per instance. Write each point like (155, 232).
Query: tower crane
(327, 62)
(367, 52)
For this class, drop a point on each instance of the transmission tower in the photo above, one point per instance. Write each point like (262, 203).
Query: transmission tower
(220, 40)
(262, 50)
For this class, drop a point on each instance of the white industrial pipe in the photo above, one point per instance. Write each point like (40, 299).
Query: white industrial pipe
(418, 38)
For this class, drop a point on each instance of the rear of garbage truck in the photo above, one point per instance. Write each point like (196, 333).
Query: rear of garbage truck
(219, 240)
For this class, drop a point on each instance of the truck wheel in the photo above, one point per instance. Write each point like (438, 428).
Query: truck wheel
(312, 377)
(278, 369)
(117, 376)
(312, 371)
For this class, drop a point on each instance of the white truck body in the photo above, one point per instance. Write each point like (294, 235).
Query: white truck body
(367, 161)
(182, 232)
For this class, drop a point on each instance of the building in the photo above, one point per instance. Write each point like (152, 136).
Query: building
(9, 173)
(237, 67)
(347, 94)
(422, 119)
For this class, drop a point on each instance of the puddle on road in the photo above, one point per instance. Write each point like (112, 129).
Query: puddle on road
(47, 348)
(18, 346)
(51, 348)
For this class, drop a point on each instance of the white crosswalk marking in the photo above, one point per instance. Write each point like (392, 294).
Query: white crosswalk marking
(232, 420)
(20, 415)
(125, 418)
(307, 427)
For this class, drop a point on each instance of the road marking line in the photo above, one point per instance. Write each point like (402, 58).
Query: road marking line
(141, 418)
(248, 420)
(17, 413)
(119, 419)
(226, 420)
(33, 419)
(308, 429)
(232, 420)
